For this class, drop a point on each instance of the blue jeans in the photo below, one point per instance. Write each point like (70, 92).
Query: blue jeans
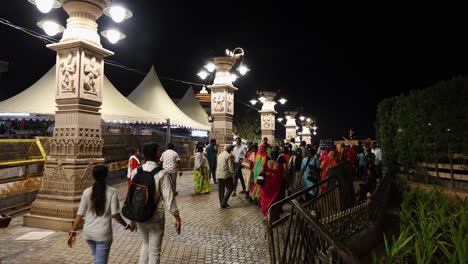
(100, 250)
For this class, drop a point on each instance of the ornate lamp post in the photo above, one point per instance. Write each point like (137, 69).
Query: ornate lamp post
(267, 113)
(76, 145)
(222, 94)
(291, 125)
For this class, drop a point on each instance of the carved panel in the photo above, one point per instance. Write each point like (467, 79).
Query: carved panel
(290, 132)
(230, 103)
(53, 212)
(91, 76)
(268, 122)
(68, 74)
(218, 102)
(92, 71)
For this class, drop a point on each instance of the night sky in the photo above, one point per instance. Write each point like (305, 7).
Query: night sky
(337, 61)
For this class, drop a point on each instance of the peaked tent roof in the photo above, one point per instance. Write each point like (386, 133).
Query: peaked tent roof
(191, 107)
(151, 96)
(39, 99)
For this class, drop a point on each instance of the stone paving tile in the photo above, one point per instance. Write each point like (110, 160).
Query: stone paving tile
(209, 235)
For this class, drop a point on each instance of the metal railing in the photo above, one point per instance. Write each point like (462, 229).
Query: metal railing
(332, 218)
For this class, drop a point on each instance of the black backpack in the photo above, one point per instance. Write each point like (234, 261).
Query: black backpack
(140, 203)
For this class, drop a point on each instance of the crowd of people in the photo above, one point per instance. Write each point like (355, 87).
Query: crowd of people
(266, 173)
(282, 170)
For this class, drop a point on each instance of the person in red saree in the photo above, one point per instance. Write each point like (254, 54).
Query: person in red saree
(351, 155)
(270, 191)
(133, 163)
(327, 163)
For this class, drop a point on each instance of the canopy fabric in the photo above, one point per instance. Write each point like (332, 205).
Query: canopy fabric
(191, 107)
(39, 99)
(151, 96)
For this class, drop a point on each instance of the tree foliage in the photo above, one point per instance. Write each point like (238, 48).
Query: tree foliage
(424, 125)
(247, 125)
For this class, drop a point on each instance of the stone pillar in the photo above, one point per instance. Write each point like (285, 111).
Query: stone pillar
(267, 115)
(76, 145)
(291, 126)
(306, 135)
(222, 102)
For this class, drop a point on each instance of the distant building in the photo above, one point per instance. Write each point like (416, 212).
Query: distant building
(3, 67)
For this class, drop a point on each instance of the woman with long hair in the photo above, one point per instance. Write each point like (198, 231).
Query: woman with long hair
(270, 192)
(247, 169)
(99, 204)
(200, 174)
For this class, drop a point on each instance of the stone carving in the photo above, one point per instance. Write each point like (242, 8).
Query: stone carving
(68, 70)
(268, 121)
(218, 102)
(53, 212)
(230, 103)
(92, 71)
(59, 173)
(88, 171)
(290, 133)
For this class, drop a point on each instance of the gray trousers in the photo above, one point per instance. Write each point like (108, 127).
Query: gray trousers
(152, 234)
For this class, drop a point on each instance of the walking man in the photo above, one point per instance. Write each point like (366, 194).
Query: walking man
(133, 163)
(239, 154)
(152, 230)
(225, 173)
(211, 153)
(170, 161)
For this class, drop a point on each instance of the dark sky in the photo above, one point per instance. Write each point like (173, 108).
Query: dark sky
(335, 60)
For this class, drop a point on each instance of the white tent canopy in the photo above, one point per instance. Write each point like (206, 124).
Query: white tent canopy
(39, 99)
(191, 107)
(151, 96)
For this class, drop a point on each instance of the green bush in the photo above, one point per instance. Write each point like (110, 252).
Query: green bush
(433, 229)
(425, 125)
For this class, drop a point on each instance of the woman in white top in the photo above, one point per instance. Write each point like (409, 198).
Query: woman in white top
(99, 204)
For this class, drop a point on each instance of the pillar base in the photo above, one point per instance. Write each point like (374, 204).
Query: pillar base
(46, 222)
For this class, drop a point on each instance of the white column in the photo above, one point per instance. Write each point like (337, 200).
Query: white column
(267, 115)
(291, 126)
(76, 145)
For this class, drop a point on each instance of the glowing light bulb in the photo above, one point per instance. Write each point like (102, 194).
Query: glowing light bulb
(233, 77)
(282, 101)
(302, 118)
(202, 74)
(280, 119)
(243, 69)
(50, 27)
(45, 6)
(203, 90)
(117, 13)
(262, 98)
(253, 101)
(113, 36)
(210, 67)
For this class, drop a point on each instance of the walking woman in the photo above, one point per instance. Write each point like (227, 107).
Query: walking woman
(260, 160)
(99, 204)
(247, 169)
(327, 163)
(270, 192)
(200, 175)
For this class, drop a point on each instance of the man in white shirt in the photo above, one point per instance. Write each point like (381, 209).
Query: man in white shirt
(170, 161)
(378, 159)
(152, 231)
(239, 155)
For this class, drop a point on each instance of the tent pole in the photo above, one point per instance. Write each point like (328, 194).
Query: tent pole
(168, 131)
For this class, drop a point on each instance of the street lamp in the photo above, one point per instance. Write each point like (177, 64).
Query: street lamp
(118, 13)
(268, 112)
(222, 92)
(45, 5)
(50, 27)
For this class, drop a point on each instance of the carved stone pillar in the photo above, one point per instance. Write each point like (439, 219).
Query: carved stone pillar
(76, 145)
(222, 102)
(267, 115)
(291, 126)
(305, 134)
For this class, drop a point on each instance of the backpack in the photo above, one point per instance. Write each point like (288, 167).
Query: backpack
(140, 203)
(314, 173)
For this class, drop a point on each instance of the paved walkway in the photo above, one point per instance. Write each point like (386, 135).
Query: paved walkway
(209, 235)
